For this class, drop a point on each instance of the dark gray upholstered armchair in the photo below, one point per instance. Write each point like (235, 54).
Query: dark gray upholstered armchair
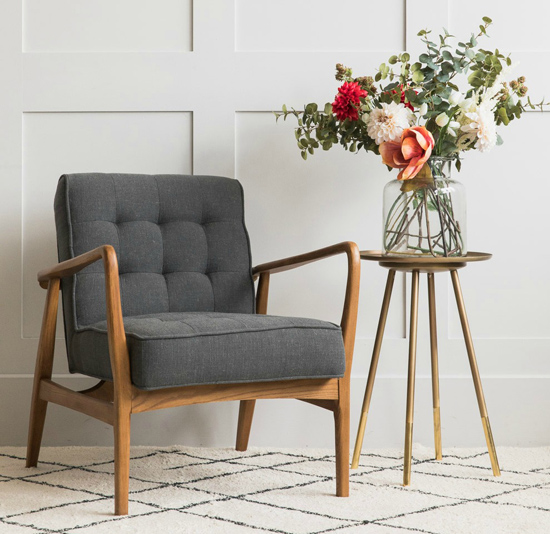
(159, 305)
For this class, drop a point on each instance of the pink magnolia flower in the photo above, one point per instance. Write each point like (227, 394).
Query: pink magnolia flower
(410, 154)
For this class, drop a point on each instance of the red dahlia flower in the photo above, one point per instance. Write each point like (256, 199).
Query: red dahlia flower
(347, 101)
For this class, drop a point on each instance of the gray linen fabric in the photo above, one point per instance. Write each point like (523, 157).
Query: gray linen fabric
(182, 349)
(182, 246)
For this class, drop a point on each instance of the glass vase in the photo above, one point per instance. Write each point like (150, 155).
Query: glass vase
(426, 216)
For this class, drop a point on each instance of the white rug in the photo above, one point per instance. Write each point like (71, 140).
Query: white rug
(289, 491)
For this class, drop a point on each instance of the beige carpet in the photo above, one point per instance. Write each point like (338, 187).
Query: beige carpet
(289, 491)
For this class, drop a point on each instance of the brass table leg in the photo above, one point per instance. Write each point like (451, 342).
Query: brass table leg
(475, 373)
(411, 378)
(435, 366)
(372, 370)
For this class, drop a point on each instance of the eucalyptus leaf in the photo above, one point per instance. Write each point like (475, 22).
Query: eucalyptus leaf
(418, 76)
(453, 86)
(311, 108)
(480, 57)
(410, 95)
(447, 67)
(476, 78)
(503, 116)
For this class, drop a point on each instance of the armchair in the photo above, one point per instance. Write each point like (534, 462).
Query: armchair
(159, 305)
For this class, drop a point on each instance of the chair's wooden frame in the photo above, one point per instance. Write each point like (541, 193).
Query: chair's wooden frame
(114, 402)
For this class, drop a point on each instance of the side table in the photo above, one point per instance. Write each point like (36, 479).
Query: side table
(430, 266)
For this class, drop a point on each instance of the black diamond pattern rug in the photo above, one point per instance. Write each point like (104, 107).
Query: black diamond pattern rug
(287, 491)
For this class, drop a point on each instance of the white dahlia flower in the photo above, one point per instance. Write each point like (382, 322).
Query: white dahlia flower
(388, 122)
(480, 125)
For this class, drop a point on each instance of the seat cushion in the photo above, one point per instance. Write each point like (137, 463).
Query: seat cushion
(191, 348)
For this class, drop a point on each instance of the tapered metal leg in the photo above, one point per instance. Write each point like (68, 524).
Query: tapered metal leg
(475, 373)
(435, 366)
(372, 370)
(411, 379)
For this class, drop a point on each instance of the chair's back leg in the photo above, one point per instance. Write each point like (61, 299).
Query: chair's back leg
(43, 370)
(246, 412)
(246, 408)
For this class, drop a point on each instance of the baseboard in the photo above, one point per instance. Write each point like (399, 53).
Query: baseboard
(518, 408)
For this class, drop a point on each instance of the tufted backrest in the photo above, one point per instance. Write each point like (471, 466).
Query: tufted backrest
(181, 244)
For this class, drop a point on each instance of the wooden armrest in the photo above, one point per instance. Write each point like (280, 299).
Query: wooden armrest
(351, 301)
(118, 350)
(72, 266)
(292, 262)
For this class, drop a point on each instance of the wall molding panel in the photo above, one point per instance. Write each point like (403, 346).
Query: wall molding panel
(189, 86)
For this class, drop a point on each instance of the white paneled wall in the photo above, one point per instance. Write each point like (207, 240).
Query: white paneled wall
(107, 26)
(182, 86)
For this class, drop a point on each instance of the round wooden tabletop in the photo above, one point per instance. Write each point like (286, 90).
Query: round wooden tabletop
(422, 263)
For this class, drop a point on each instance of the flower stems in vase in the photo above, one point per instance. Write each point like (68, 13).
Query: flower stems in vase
(421, 218)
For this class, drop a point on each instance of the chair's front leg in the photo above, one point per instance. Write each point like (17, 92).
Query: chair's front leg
(122, 382)
(341, 423)
(44, 365)
(341, 428)
(122, 457)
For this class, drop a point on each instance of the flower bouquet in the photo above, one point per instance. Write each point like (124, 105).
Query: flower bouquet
(415, 116)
